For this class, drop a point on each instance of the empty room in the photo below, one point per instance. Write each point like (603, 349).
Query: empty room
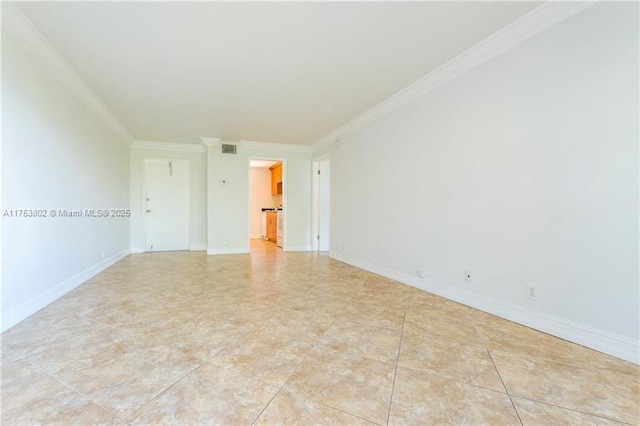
(281, 213)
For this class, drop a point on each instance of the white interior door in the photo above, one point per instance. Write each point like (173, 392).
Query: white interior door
(324, 206)
(166, 205)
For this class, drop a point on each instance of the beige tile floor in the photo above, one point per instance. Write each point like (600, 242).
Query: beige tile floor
(292, 338)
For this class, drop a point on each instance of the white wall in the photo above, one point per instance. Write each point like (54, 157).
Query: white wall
(260, 196)
(227, 213)
(198, 181)
(523, 170)
(56, 155)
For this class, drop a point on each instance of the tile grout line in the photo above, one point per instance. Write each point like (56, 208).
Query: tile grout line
(572, 409)
(124, 419)
(73, 388)
(305, 355)
(395, 371)
(343, 411)
(505, 386)
(272, 398)
(458, 381)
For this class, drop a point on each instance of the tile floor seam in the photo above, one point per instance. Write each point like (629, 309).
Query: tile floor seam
(395, 371)
(39, 351)
(575, 410)
(334, 320)
(90, 319)
(62, 382)
(16, 355)
(555, 361)
(457, 342)
(303, 359)
(238, 372)
(343, 411)
(312, 399)
(505, 387)
(270, 400)
(450, 379)
(124, 419)
(97, 403)
(361, 286)
(365, 324)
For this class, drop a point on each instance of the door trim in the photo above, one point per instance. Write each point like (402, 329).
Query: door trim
(315, 203)
(285, 198)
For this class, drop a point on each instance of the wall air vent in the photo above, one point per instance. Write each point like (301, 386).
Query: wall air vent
(228, 148)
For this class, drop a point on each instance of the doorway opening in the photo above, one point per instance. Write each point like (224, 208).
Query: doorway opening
(166, 204)
(267, 201)
(321, 204)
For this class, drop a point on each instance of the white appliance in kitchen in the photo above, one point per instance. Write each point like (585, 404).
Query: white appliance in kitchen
(280, 229)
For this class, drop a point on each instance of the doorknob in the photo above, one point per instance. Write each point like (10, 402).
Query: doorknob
(148, 211)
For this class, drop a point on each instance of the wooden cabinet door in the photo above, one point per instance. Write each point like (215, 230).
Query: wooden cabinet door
(272, 226)
(276, 179)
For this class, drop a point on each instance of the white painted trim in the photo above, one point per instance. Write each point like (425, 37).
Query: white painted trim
(299, 248)
(209, 142)
(19, 26)
(283, 147)
(168, 146)
(198, 247)
(536, 21)
(285, 191)
(35, 303)
(315, 205)
(228, 251)
(609, 343)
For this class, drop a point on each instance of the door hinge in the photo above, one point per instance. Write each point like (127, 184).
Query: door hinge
(318, 171)
(318, 237)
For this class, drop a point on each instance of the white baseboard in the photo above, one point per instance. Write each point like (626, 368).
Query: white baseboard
(228, 251)
(198, 247)
(32, 305)
(299, 248)
(609, 343)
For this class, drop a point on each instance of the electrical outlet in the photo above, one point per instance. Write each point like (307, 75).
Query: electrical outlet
(420, 273)
(532, 292)
(467, 276)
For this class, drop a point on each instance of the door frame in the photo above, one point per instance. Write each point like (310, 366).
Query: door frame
(315, 203)
(144, 198)
(285, 184)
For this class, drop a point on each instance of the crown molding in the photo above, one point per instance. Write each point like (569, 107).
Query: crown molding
(266, 146)
(534, 22)
(168, 146)
(14, 22)
(210, 142)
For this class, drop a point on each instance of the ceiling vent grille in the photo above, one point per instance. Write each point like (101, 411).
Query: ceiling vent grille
(228, 148)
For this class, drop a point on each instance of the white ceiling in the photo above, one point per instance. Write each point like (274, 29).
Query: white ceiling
(269, 72)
